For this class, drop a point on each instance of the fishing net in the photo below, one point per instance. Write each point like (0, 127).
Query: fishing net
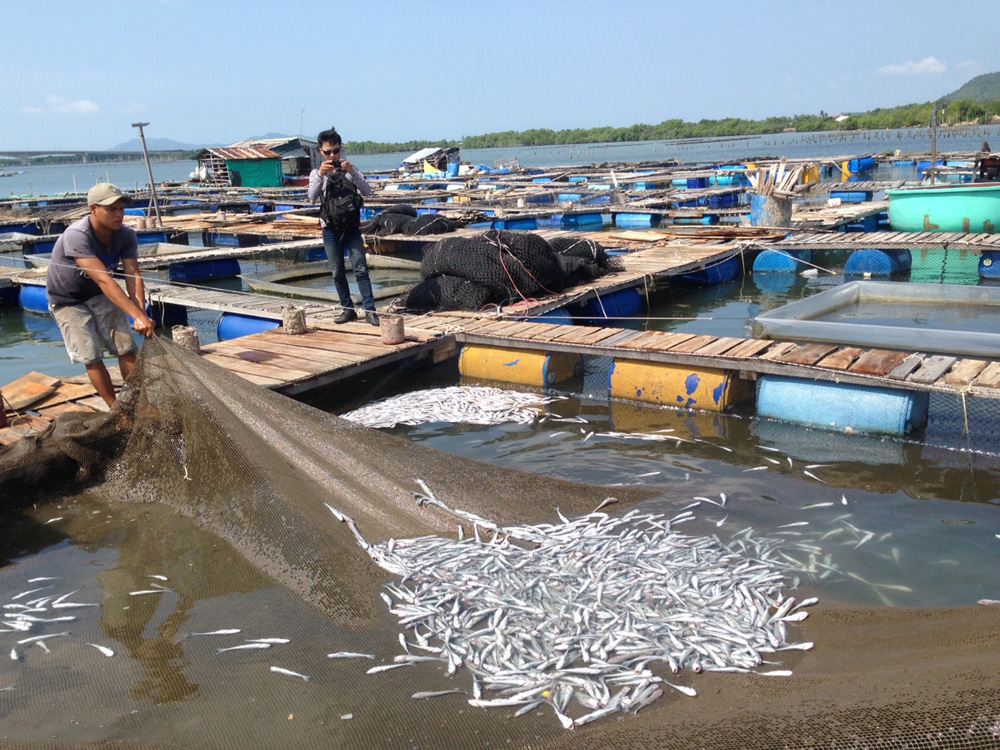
(234, 496)
(503, 264)
(404, 220)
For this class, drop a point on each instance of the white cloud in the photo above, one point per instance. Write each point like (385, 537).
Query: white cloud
(929, 66)
(969, 65)
(61, 106)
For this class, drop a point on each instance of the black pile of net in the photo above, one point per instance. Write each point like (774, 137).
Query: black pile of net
(499, 266)
(403, 219)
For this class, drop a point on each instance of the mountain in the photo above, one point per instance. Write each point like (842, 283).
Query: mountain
(160, 144)
(984, 88)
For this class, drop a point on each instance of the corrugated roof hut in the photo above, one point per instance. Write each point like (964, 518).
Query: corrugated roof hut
(241, 166)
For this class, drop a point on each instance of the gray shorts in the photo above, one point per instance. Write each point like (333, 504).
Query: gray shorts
(89, 327)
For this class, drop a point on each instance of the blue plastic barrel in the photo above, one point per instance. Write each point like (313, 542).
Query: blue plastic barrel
(234, 326)
(852, 196)
(864, 224)
(135, 212)
(718, 273)
(636, 221)
(168, 315)
(34, 299)
(609, 307)
(781, 261)
(556, 317)
(202, 270)
(526, 224)
(878, 263)
(770, 211)
(697, 183)
(151, 238)
(704, 220)
(840, 406)
(989, 264)
(316, 253)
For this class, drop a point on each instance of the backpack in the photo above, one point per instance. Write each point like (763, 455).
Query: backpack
(340, 208)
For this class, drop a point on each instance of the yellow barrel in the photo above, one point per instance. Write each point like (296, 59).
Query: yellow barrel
(810, 175)
(845, 171)
(672, 385)
(539, 369)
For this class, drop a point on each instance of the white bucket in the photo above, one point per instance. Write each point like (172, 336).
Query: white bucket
(391, 328)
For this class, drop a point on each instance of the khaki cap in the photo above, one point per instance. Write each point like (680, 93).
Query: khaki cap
(104, 194)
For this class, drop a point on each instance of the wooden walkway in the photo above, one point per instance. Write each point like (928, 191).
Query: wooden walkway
(890, 241)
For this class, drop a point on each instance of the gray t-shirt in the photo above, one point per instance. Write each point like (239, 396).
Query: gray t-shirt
(67, 283)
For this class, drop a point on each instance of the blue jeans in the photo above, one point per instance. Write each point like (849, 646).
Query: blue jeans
(335, 243)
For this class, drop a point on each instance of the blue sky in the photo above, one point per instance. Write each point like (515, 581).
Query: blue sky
(75, 75)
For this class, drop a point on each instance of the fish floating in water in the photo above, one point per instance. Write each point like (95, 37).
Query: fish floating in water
(457, 404)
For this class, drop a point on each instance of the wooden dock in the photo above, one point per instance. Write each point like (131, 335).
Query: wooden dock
(328, 354)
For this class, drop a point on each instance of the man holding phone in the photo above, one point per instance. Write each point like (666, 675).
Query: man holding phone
(338, 185)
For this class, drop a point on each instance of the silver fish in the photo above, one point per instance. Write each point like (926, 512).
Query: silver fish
(242, 647)
(268, 640)
(350, 655)
(103, 649)
(290, 673)
(227, 631)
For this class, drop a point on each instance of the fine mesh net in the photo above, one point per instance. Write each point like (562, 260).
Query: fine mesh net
(501, 265)
(223, 486)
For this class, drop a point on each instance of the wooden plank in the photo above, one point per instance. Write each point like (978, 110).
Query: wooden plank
(750, 348)
(29, 389)
(720, 346)
(21, 427)
(619, 338)
(932, 369)
(964, 372)
(338, 345)
(95, 402)
(778, 350)
(279, 356)
(51, 412)
(66, 392)
(655, 339)
(904, 368)
(692, 344)
(600, 335)
(877, 362)
(807, 354)
(842, 359)
(264, 374)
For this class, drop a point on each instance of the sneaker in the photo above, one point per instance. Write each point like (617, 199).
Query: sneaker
(372, 317)
(346, 316)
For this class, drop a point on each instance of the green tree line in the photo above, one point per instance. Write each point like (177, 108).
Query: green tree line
(906, 116)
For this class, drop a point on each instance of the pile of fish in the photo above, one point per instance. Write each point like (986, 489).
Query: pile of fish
(579, 611)
(457, 404)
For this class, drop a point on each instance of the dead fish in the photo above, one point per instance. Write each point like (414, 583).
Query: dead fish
(268, 640)
(387, 667)
(146, 591)
(756, 468)
(228, 631)
(290, 673)
(43, 578)
(52, 520)
(103, 649)
(812, 476)
(816, 505)
(158, 577)
(434, 694)
(242, 647)
(34, 638)
(350, 655)
(982, 602)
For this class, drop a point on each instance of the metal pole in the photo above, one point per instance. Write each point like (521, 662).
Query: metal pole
(149, 171)
(934, 124)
